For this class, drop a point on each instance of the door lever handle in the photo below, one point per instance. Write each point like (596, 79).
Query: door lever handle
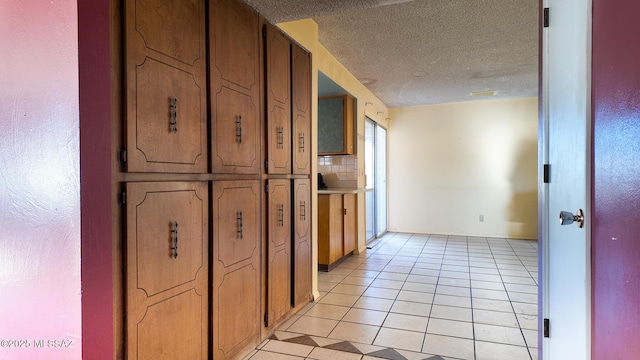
(567, 218)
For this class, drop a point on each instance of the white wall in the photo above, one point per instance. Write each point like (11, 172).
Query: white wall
(451, 163)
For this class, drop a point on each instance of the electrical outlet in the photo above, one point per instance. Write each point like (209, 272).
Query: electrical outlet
(481, 218)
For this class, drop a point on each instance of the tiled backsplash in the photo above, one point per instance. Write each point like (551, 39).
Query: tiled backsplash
(339, 170)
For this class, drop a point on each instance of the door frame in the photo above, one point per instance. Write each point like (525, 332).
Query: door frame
(544, 203)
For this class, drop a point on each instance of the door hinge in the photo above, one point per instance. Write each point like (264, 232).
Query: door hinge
(122, 197)
(266, 320)
(545, 331)
(122, 155)
(546, 173)
(266, 187)
(266, 166)
(545, 17)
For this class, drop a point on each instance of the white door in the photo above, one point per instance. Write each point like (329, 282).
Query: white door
(566, 282)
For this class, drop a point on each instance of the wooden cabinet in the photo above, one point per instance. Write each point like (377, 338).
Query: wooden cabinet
(213, 262)
(336, 125)
(236, 266)
(330, 227)
(234, 69)
(301, 242)
(301, 109)
(287, 176)
(167, 270)
(337, 228)
(278, 94)
(278, 250)
(165, 77)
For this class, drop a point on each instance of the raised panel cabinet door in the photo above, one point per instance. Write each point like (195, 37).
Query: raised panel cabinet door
(278, 250)
(278, 94)
(234, 43)
(167, 270)
(330, 228)
(236, 267)
(301, 109)
(350, 238)
(165, 86)
(301, 258)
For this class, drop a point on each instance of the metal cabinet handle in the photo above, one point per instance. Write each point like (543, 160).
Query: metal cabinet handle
(280, 131)
(301, 137)
(173, 124)
(239, 129)
(239, 218)
(174, 233)
(303, 210)
(281, 214)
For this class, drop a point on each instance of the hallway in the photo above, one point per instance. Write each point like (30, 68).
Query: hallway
(417, 296)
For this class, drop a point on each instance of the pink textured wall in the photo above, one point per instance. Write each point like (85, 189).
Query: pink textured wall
(40, 296)
(616, 180)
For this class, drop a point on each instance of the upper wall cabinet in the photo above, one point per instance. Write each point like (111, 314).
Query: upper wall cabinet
(278, 94)
(166, 111)
(234, 43)
(335, 125)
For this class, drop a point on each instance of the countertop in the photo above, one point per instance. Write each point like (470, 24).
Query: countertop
(337, 190)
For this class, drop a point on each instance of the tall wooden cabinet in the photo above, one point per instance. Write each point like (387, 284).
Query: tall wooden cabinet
(166, 249)
(215, 176)
(235, 100)
(287, 176)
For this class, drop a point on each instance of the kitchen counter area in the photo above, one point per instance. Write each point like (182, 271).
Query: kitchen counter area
(336, 190)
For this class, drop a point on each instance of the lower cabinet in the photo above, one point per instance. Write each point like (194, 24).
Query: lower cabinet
(176, 308)
(278, 275)
(167, 270)
(236, 267)
(337, 228)
(301, 258)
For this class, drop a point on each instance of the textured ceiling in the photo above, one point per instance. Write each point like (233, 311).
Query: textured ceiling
(426, 51)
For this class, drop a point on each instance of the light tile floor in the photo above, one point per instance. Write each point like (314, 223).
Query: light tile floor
(416, 296)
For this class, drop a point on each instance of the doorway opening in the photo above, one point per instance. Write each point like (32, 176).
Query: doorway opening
(375, 164)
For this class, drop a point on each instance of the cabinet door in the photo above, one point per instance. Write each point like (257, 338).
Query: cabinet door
(236, 267)
(234, 43)
(166, 107)
(278, 93)
(350, 206)
(167, 271)
(336, 125)
(301, 109)
(330, 225)
(301, 242)
(278, 250)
